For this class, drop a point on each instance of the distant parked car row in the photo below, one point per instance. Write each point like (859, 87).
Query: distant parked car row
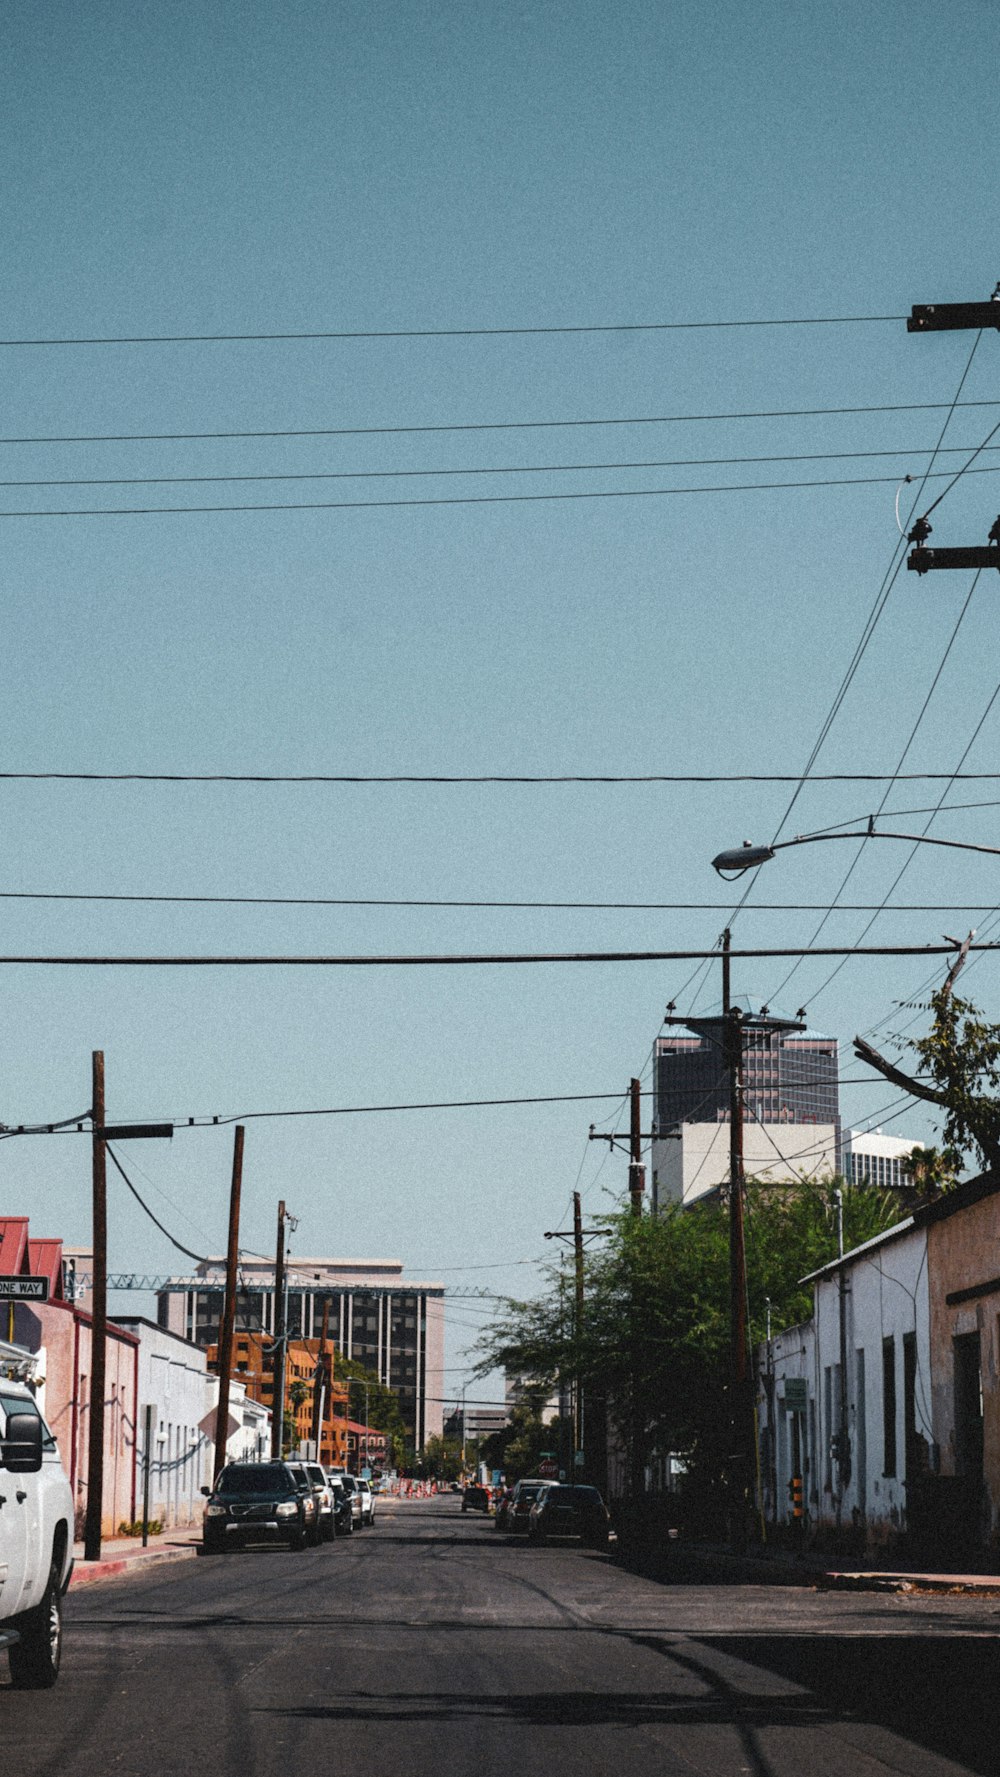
(543, 1509)
(294, 1502)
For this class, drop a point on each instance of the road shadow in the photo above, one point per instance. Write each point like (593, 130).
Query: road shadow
(938, 1692)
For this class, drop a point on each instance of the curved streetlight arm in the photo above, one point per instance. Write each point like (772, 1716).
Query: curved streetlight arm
(735, 863)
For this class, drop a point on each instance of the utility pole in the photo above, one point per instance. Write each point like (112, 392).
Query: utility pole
(636, 1170)
(738, 1365)
(579, 1236)
(99, 1316)
(727, 1034)
(278, 1350)
(321, 1382)
(228, 1324)
(843, 1451)
(635, 1137)
(578, 1438)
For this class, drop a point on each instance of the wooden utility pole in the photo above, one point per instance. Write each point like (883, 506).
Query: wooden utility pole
(321, 1383)
(99, 1317)
(578, 1438)
(229, 1303)
(636, 1170)
(738, 1359)
(278, 1359)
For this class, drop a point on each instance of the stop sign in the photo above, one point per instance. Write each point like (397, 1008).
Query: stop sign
(547, 1469)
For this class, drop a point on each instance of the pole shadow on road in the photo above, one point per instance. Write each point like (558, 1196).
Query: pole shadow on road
(938, 1692)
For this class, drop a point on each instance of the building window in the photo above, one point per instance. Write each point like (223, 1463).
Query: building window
(889, 1406)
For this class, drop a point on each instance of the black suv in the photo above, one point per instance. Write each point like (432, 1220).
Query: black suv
(257, 1502)
(569, 1511)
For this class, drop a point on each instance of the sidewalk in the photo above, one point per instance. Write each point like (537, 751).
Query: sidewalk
(125, 1554)
(686, 1563)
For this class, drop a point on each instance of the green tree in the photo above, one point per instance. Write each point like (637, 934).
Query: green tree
(959, 1072)
(383, 1407)
(655, 1340)
(440, 1459)
(517, 1448)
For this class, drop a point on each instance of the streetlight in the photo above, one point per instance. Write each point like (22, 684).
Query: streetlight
(735, 863)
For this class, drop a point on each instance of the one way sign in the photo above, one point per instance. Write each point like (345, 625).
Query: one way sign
(24, 1289)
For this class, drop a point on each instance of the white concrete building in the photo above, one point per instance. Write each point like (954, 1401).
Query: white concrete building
(686, 1167)
(173, 1381)
(861, 1366)
(873, 1158)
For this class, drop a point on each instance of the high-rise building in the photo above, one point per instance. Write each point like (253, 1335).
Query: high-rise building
(791, 1107)
(392, 1325)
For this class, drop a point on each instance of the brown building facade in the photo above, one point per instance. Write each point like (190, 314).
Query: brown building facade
(963, 1268)
(253, 1367)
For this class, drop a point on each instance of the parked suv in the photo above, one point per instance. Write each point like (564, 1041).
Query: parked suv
(343, 1503)
(516, 1516)
(367, 1501)
(350, 1486)
(258, 1502)
(311, 1474)
(569, 1511)
(36, 1548)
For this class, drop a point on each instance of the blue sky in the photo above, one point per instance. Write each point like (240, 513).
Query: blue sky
(246, 169)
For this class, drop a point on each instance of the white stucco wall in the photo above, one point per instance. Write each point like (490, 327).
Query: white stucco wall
(886, 1299)
(173, 1380)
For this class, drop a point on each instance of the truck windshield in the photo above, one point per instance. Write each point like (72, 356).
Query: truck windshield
(262, 1479)
(16, 1403)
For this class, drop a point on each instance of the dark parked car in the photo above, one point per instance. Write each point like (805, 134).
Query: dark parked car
(316, 1477)
(258, 1502)
(515, 1519)
(569, 1511)
(343, 1504)
(476, 1499)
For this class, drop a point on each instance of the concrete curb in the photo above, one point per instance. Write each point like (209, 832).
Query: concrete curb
(87, 1573)
(972, 1585)
(691, 1562)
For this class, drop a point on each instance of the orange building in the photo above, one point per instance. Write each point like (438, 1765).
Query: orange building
(252, 1366)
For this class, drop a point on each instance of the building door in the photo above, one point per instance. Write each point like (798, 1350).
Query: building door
(968, 1407)
(861, 1436)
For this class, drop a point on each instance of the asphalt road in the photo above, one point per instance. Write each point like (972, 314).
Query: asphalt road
(431, 1645)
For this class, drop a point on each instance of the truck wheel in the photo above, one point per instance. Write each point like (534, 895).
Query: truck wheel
(297, 1540)
(34, 1660)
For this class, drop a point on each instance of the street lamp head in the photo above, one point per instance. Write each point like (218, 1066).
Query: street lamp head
(732, 864)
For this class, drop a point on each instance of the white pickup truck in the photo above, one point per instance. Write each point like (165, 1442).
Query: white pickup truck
(36, 1547)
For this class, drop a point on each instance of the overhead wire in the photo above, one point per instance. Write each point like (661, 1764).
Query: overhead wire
(885, 795)
(663, 419)
(373, 333)
(199, 1258)
(874, 617)
(825, 456)
(474, 778)
(530, 906)
(438, 500)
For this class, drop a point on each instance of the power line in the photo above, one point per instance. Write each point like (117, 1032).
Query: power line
(663, 419)
(636, 493)
(199, 1258)
(81, 1125)
(473, 959)
(822, 456)
(460, 778)
(524, 906)
(185, 339)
